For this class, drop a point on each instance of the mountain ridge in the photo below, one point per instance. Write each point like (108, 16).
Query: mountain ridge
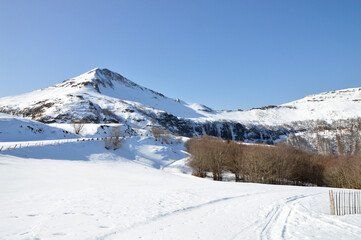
(114, 88)
(114, 85)
(102, 96)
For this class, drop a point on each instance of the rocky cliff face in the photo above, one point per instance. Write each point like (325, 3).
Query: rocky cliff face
(223, 129)
(341, 137)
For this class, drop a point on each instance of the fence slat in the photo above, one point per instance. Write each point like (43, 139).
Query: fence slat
(337, 204)
(332, 203)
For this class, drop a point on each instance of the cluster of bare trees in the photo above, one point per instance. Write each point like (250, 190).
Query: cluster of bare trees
(271, 164)
(344, 172)
(114, 140)
(162, 135)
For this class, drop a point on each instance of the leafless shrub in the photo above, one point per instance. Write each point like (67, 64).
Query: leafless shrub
(344, 172)
(234, 159)
(208, 155)
(157, 132)
(114, 139)
(198, 162)
(178, 137)
(166, 136)
(78, 125)
(162, 135)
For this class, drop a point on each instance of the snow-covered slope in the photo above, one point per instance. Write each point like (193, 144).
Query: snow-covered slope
(21, 129)
(101, 95)
(98, 95)
(328, 106)
(142, 150)
(123, 195)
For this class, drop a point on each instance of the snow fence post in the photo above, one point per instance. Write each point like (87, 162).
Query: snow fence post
(332, 203)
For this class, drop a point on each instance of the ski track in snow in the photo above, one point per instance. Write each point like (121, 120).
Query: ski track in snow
(284, 215)
(278, 218)
(274, 225)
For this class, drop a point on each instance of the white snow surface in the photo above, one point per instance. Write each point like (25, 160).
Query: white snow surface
(140, 191)
(113, 92)
(21, 129)
(328, 106)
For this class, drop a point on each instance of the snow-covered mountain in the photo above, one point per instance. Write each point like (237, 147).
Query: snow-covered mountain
(98, 96)
(102, 96)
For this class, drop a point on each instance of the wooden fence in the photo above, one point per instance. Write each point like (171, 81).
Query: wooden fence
(345, 202)
(14, 145)
(52, 142)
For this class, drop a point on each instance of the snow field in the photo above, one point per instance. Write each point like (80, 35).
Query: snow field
(133, 193)
(22, 129)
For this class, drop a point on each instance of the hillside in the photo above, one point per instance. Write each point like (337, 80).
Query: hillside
(21, 129)
(106, 94)
(101, 96)
(328, 106)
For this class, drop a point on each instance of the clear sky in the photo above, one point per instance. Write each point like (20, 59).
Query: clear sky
(224, 54)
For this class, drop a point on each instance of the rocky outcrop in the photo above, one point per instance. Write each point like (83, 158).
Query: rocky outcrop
(223, 129)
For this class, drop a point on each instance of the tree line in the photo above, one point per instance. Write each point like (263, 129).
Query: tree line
(279, 164)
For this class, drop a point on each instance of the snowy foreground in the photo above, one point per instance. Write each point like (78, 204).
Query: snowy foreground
(82, 191)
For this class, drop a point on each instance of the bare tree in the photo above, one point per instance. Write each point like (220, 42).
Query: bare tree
(157, 131)
(161, 134)
(234, 160)
(166, 136)
(198, 161)
(114, 140)
(178, 137)
(78, 125)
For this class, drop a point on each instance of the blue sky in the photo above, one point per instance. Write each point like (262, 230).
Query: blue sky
(224, 54)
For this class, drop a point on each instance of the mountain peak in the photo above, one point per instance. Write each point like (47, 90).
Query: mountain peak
(97, 78)
(94, 69)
